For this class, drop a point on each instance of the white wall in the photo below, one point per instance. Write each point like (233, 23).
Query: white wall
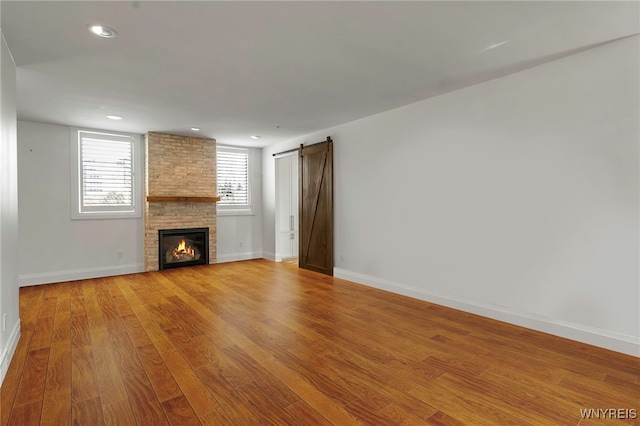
(9, 304)
(56, 248)
(53, 247)
(269, 200)
(516, 198)
(240, 236)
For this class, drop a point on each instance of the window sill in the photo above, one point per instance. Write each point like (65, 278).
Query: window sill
(230, 212)
(105, 215)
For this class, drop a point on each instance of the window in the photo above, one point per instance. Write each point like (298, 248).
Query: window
(105, 175)
(233, 179)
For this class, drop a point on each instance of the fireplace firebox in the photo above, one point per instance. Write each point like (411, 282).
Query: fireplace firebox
(183, 247)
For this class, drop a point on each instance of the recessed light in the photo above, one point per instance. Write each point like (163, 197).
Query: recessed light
(195, 129)
(114, 117)
(102, 31)
(255, 137)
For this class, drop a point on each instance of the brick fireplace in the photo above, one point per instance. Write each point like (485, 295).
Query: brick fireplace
(180, 187)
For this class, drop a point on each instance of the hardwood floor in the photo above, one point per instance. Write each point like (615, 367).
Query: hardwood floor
(258, 342)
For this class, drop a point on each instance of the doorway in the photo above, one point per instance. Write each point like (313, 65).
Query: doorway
(304, 207)
(287, 208)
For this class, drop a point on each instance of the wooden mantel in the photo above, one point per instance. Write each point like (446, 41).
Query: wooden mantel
(180, 199)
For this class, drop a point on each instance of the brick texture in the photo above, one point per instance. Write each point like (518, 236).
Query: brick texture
(178, 166)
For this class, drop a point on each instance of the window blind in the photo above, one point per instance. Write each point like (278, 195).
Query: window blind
(106, 167)
(233, 176)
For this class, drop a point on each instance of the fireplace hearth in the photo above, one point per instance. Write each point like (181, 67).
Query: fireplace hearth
(183, 247)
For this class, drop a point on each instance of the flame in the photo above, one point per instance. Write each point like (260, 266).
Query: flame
(183, 250)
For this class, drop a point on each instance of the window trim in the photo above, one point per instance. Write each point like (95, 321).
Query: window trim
(76, 177)
(235, 209)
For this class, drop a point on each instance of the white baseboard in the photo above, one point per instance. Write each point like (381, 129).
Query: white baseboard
(7, 353)
(270, 256)
(78, 274)
(593, 336)
(233, 257)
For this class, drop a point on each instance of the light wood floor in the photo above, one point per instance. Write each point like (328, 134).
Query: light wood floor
(258, 342)
(290, 261)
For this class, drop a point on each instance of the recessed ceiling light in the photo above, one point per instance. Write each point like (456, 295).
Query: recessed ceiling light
(255, 137)
(102, 31)
(114, 117)
(195, 129)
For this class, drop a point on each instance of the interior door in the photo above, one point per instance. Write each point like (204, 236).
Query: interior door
(315, 168)
(287, 206)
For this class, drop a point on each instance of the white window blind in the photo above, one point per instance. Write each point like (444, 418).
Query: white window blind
(233, 177)
(106, 172)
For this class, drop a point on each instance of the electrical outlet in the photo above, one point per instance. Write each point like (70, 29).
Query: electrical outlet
(4, 322)
(241, 244)
(120, 255)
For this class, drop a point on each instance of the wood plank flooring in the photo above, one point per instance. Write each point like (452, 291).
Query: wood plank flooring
(259, 342)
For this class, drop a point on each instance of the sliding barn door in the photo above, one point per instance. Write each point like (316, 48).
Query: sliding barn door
(315, 169)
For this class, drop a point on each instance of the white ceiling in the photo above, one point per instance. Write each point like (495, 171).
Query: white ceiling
(237, 68)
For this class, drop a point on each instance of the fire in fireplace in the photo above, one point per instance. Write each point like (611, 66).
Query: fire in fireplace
(184, 252)
(183, 247)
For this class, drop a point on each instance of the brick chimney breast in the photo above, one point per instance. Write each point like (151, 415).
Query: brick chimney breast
(178, 166)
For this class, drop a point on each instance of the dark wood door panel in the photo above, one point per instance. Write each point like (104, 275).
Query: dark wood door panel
(316, 207)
